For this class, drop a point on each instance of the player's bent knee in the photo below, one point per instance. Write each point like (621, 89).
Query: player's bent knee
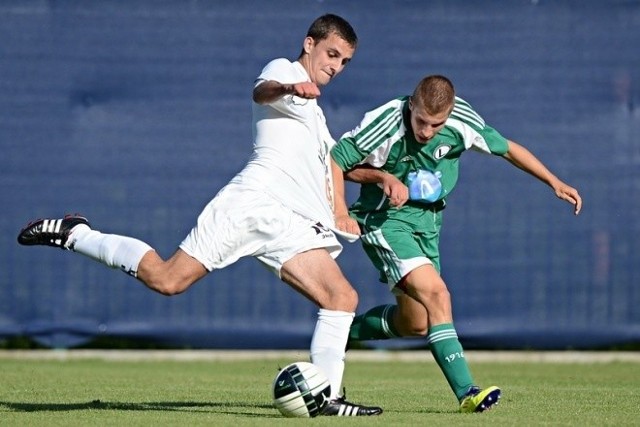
(412, 330)
(344, 300)
(167, 287)
(416, 332)
(440, 295)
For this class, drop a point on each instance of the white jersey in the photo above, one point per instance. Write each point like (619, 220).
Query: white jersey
(271, 209)
(290, 159)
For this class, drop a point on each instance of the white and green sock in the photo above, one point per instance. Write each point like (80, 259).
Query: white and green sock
(375, 324)
(449, 354)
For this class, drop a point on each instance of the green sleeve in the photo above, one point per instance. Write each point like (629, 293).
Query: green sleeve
(346, 154)
(497, 143)
(371, 139)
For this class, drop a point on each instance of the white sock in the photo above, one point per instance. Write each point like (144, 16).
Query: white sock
(112, 250)
(328, 345)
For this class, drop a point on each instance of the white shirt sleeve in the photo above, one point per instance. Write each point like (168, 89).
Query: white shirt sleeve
(284, 71)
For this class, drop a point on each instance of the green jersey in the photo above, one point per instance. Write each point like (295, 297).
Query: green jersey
(384, 139)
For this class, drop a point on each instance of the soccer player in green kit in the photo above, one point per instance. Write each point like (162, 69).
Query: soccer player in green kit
(405, 154)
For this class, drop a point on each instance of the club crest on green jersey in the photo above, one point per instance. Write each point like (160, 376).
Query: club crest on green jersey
(441, 151)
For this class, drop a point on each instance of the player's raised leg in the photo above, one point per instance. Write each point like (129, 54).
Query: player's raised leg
(128, 254)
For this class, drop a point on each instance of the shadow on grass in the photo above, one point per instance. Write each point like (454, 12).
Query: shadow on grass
(230, 408)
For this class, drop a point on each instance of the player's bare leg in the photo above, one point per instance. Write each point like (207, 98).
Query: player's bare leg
(426, 286)
(424, 309)
(133, 256)
(316, 275)
(410, 317)
(170, 277)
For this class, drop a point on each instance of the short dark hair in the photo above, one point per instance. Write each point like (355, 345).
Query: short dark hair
(323, 26)
(435, 94)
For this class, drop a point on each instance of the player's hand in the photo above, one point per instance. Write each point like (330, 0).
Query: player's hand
(347, 224)
(307, 90)
(396, 191)
(571, 195)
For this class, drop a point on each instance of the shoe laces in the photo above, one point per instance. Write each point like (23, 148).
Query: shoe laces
(343, 398)
(473, 390)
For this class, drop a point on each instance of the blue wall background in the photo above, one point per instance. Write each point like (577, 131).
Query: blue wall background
(135, 113)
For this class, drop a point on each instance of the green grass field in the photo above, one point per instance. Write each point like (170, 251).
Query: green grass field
(237, 393)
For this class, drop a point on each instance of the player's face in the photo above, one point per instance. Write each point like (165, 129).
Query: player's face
(425, 126)
(326, 58)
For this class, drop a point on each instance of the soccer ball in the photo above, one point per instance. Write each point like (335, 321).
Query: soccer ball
(301, 390)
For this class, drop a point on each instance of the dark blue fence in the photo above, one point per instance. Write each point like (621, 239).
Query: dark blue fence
(137, 113)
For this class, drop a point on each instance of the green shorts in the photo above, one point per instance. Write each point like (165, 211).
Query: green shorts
(397, 247)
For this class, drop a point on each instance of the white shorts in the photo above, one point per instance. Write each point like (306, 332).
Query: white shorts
(242, 222)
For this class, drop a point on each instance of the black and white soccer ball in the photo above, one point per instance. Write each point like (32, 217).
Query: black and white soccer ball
(301, 389)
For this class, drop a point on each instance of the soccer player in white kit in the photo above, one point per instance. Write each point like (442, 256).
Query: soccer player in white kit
(278, 209)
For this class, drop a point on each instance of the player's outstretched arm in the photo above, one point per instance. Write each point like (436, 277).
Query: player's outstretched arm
(395, 190)
(525, 160)
(269, 91)
(343, 221)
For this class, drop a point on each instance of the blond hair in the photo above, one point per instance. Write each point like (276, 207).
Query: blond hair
(435, 94)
